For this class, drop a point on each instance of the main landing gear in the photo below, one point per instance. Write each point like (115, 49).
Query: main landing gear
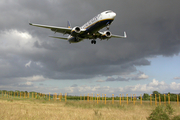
(93, 41)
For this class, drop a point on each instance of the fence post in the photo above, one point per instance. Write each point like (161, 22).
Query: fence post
(141, 99)
(164, 99)
(84, 97)
(97, 98)
(102, 97)
(92, 96)
(60, 97)
(112, 98)
(2, 94)
(105, 98)
(28, 94)
(127, 99)
(65, 97)
(131, 97)
(177, 100)
(133, 100)
(150, 100)
(159, 99)
(36, 95)
(24, 94)
(88, 97)
(168, 98)
(155, 100)
(120, 99)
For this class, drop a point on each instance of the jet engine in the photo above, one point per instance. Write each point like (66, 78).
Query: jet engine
(107, 34)
(75, 30)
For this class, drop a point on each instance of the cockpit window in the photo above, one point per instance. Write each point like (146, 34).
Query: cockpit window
(109, 11)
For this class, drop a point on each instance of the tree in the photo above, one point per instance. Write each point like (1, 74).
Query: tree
(145, 96)
(155, 92)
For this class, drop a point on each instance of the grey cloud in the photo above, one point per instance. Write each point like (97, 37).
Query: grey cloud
(177, 78)
(139, 76)
(74, 85)
(41, 84)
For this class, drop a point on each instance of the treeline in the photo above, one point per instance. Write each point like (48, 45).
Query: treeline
(162, 97)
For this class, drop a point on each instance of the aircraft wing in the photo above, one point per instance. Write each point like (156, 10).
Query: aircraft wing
(118, 36)
(102, 35)
(63, 30)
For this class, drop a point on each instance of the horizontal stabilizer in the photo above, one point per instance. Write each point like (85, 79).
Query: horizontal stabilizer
(64, 38)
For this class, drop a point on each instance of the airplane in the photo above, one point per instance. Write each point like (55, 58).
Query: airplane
(89, 30)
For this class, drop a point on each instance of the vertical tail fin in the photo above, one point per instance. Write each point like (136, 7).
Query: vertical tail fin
(68, 24)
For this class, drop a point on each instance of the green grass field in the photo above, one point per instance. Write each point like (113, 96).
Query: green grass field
(37, 109)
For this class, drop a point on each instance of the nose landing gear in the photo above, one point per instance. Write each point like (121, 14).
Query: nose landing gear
(108, 27)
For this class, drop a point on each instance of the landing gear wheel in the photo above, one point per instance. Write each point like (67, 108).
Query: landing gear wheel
(93, 41)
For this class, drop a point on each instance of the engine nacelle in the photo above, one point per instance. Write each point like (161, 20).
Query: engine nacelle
(75, 30)
(107, 34)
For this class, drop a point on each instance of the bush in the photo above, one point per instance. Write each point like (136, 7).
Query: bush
(162, 113)
(169, 109)
(158, 114)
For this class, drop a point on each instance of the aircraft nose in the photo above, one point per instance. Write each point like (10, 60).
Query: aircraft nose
(113, 15)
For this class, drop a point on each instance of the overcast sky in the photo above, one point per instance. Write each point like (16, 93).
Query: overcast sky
(147, 60)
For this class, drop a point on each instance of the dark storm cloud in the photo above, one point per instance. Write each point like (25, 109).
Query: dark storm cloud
(152, 28)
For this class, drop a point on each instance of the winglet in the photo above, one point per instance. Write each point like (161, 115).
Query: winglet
(125, 36)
